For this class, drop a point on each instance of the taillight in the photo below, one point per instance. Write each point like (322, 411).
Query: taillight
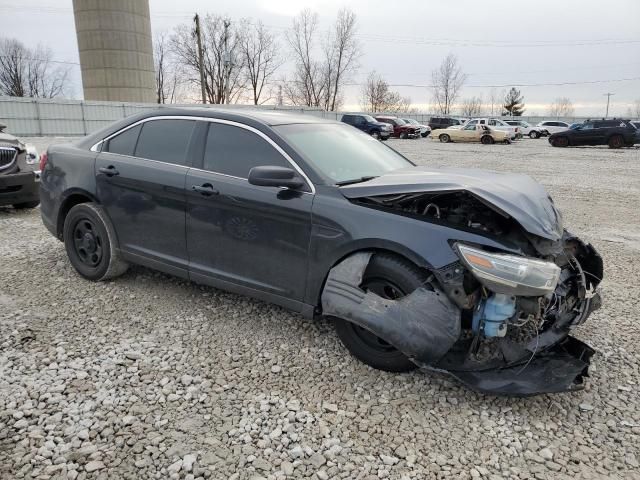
(43, 160)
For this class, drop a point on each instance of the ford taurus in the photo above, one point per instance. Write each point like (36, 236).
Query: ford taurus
(462, 271)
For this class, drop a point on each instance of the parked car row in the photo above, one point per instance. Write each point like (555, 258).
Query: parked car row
(385, 126)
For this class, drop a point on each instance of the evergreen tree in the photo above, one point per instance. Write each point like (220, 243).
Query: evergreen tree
(513, 103)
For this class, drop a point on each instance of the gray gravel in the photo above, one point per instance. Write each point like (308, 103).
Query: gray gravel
(152, 377)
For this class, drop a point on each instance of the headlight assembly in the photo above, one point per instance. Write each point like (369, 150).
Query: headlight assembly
(510, 274)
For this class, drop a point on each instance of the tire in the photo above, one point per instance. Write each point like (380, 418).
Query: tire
(24, 205)
(389, 276)
(487, 140)
(91, 244)
(403, 135)
(424, 135)
(616, 141)
(533, 134)
(560, 142)
(375, 135)
(444, 138)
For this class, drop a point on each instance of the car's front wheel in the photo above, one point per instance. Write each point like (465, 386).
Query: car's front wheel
(375, 135)
(90, 241)
(534, 134)
(390, 277)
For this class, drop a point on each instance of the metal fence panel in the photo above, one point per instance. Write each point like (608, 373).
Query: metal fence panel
(44, 117)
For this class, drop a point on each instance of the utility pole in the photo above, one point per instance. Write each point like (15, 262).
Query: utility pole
(608, 97)
(279, 100)
(227, 61)
(200, 58)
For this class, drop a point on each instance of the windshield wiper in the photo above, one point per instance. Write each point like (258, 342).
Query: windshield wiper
(356, 180)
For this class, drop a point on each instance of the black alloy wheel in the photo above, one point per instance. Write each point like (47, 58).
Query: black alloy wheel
(88, 242)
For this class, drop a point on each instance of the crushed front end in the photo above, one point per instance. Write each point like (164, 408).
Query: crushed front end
(514, 308)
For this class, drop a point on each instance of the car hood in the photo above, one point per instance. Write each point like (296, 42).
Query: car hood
(511, 194)
(7, 140)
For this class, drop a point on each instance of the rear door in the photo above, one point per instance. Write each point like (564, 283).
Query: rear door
(242, 234)
(140, 178)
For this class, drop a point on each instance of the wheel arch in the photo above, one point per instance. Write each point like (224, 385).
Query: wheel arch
(371, 245)
(71, 198)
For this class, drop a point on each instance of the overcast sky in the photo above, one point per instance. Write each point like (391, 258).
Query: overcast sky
(498, 42)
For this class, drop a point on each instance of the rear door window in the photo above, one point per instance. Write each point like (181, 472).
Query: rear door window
(124, 143)
(234, 151)
(165, 140)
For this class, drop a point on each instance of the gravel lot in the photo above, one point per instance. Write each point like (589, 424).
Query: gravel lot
(149, 376)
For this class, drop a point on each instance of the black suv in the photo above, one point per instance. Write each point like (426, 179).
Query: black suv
(443, 122)
(616, 133)
(369, 125)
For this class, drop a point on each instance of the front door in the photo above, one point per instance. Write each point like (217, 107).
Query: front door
(242, 234)
(140, 178)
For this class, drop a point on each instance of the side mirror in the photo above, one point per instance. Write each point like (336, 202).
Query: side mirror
(270, 176)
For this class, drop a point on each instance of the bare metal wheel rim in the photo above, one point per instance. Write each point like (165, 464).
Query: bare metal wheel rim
(88, 242)
(385, 289)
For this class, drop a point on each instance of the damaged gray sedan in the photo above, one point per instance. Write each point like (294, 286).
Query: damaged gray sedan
(453, 270)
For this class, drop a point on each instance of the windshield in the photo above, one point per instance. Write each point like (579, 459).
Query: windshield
(341, 152)
(410, 120)
(369, 119)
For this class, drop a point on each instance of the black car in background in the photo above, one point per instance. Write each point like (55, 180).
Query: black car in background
(458, 270)
(615, 133)
(369, 125)
(443, 122)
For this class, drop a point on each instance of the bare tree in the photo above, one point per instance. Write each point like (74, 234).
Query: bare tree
(342, 51)
(168, 78)
(261, 55)
(634, 110)
(217, 77)
(447, 80)
(471, 106)
(319, 82)
(30, 73)
(376, 96)
(495, 100)
(561, 107)
(307, 85)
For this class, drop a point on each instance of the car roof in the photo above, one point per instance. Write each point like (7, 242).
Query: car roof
(252, 117)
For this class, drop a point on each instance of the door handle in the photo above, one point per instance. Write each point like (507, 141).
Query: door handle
(206, 189)
(109, 171)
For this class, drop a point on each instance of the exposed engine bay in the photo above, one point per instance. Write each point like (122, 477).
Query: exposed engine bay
(505, 326)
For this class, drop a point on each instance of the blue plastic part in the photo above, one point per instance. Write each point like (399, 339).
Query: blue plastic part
(495, 311)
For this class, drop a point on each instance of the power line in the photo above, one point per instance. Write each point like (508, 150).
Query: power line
(393, 39)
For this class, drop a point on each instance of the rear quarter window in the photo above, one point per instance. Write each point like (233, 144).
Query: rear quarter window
(165, 140)
(124, 143)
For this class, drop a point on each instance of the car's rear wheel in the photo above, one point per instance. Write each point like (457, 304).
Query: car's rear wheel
(534, 134)
(444, 138)
(560, 142)
(487, 140)
(390, 277)
(616, 141)
(90, 241)
(24, 205)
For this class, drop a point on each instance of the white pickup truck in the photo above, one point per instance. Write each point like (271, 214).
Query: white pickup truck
(496, 124)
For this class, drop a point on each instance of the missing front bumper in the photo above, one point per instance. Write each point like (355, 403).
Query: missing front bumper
(560, 368)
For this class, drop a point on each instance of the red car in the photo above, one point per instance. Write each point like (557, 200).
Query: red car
(401, 129)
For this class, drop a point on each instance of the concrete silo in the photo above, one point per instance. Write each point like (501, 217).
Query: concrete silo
(116, 50)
